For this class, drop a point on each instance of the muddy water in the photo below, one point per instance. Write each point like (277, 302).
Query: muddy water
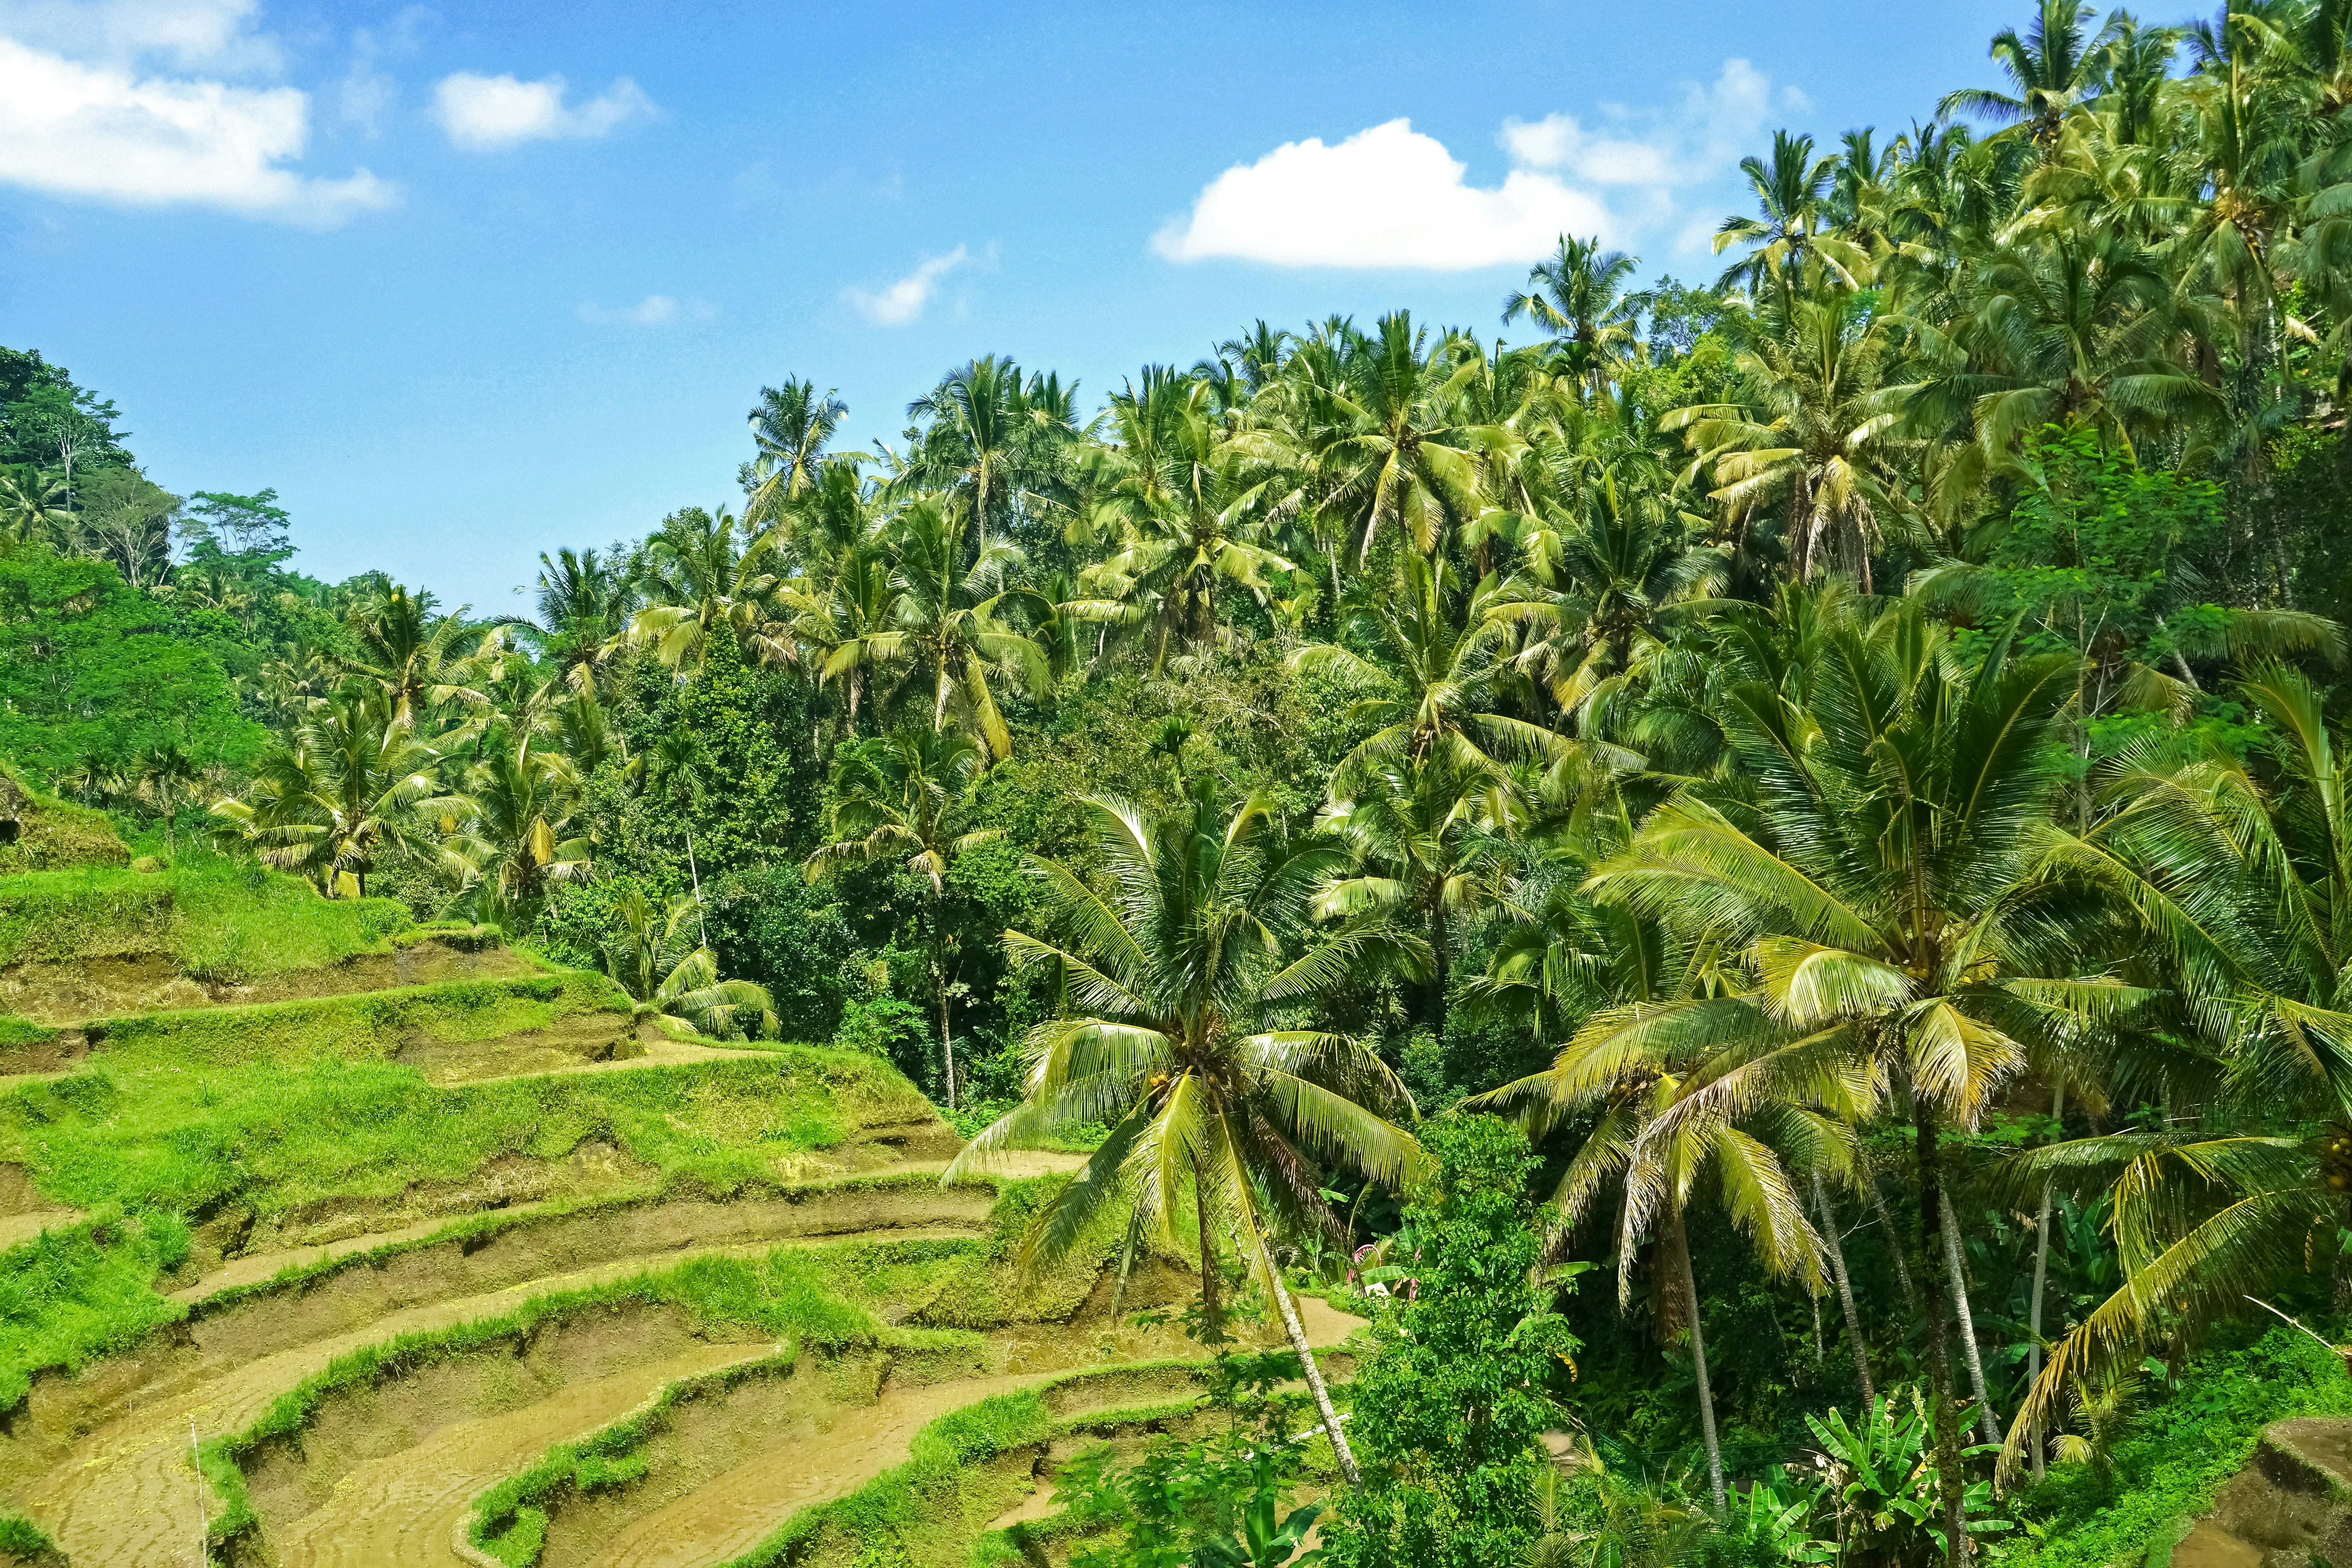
(404, 1510)
(123, 1494)
(2210, 1546)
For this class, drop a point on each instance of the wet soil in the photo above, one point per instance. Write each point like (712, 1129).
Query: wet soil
(2289, 1505)
(24, 1212)
(118, 984)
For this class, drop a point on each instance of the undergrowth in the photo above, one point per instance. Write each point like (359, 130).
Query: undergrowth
(2175, 1454)
(218, 918)
(53, 834)
(22, 1541)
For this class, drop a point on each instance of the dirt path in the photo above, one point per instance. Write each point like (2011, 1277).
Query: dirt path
(123, 1494)
(402, 1511)
(16, 1228)
(734, 1513)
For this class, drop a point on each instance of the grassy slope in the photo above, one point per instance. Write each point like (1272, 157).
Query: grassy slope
(57, 833)
(218, 920)
(164, 1143)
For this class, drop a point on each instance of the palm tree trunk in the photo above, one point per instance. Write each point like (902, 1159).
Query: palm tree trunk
(1844, 1286)
(1946, 1434)
(1952, 1261)
(946, 1027)
(1678, 1248)
(1895, 1247)
(1298, 1334)
(1212, 1317)
(2041, 1273)
(702, 935)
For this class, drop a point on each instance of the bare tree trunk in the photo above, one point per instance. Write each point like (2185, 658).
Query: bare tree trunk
(1951, 1484)
(1298, 1334)
(1844, 1286)
(1678, 1247)
(2041, 1273)
(1985, 1421)
(1895, 1247)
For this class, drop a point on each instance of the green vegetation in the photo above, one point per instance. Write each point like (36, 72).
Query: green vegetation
(22, 1542)
(79, 1292)
(214, 918)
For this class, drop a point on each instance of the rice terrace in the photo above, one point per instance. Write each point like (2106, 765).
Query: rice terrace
(1492, 786)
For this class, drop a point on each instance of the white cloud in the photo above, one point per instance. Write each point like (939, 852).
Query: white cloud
(653, 310)
(1388, 196)
(901, 303)
(485, 113)
(191, 35)
(1392, 196)
(105, 130)
(366, 91)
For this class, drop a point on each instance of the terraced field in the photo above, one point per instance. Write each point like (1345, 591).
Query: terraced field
(440, 1256)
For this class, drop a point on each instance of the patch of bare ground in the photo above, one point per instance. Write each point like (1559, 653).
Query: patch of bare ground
(415, 1281)
(2292, 1503)
(24, 1212)
(112, 984)
(57, 1053)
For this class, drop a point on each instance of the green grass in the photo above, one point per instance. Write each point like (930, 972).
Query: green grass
(22, 1541)
(218, 918)
(791, 1294)
(2175, 1456)
(365, 1026)
(80, 1291)
(279, 1137)
(55, 834)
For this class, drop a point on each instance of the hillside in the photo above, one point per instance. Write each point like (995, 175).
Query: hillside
(401, 1216)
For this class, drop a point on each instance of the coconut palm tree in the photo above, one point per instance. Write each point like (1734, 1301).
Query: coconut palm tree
(2242, 871)
(2056, 66)
(35, 511)
(1792, 195)
(789, 426)
(1818, 362)
(649, 955)
(1192, 507)
(415, 657)
(892, 801)
(1379, 421)
(584, 600)
(1166, 1034)
(341, 800)
(989, 439)
(945, 640)
(1579, 297)
(511, 834)
(702, 578)
(1899, 887)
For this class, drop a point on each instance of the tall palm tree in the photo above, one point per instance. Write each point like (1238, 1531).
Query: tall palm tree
(414, 656)
(512, 833)
(789, 426)
(701, 577)
(1578, 296)
(1380, 423)
(1430, 652)
(892, 801)
(584, 600)
(1169, 982)
(1426, 850)
(1817, 443)
(946, 639)
(991, 439)
(341, 800)
(34, 512)
(1792, 194)
(2243, 873)
(1897, 882)
(2054, 67)
(1192, 508)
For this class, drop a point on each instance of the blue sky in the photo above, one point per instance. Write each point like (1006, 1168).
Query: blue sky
(467, 282)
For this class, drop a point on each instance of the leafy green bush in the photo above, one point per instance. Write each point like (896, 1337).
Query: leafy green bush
(79, 1292)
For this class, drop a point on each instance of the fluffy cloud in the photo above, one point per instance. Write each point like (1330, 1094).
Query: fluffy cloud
(1388, 196)
(653, 310)
(901, 303)
(485, 113)
(107, 130)
(1392, 196)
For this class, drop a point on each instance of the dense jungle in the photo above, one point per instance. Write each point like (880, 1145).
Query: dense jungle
(1708, 923)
